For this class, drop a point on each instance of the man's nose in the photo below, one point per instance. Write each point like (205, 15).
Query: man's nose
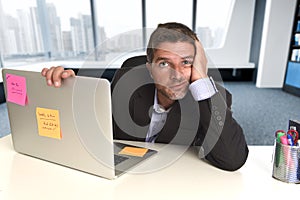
(176, 72)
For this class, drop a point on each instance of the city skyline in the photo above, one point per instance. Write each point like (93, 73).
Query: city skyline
(38, 31)
(82, 7)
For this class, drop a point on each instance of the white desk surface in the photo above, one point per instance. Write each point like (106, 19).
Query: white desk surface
(23, 177)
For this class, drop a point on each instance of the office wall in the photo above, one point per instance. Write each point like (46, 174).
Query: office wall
(275, 42)
(258, 23)
(235, 52)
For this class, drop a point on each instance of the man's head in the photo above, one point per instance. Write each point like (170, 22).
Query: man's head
(170, 55)
(169, 32)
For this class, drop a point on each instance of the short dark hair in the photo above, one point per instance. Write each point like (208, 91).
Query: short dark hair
(169, 32)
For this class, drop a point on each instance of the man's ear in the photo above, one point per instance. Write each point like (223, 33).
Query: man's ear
(149, 67)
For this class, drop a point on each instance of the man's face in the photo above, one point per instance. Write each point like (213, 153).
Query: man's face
(171, 69)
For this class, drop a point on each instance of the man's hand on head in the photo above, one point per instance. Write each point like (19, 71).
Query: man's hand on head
(55, 75)
(199, 69)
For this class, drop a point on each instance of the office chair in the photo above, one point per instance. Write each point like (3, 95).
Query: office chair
(136, 62)
(112, 74)
(95, 72)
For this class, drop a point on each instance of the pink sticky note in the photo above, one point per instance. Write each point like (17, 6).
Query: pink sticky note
(16, 89)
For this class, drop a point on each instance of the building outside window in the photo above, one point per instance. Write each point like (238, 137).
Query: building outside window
(49, 30)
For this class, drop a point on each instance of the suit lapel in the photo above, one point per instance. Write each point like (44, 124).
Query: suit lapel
(141, 107)
(182, 122)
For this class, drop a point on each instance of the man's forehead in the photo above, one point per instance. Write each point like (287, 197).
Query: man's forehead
(181, 49)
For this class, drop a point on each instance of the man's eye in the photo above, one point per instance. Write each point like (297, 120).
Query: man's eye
(187, 62)
(163, 64)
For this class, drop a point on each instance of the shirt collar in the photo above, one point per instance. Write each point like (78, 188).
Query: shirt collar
(158, 108)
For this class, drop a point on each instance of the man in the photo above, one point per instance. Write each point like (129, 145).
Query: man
(182, 105)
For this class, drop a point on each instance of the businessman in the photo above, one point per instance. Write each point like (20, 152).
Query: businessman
(182, 105)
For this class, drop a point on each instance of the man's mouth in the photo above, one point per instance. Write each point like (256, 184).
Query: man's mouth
(178, 86)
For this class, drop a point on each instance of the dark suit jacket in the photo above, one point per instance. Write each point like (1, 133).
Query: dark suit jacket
(208, 125)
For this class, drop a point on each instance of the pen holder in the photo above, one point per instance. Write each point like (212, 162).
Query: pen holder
(286, 163)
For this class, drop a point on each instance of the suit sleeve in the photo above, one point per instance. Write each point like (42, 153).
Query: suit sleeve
(220, 139)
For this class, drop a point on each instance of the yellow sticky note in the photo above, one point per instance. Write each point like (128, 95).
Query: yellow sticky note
(134, 151)
(48, 122)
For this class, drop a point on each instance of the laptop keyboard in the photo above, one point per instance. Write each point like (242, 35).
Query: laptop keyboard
(118, 159)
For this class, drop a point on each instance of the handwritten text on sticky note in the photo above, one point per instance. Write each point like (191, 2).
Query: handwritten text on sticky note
(48, 122)
(16, 89)
(134, 151)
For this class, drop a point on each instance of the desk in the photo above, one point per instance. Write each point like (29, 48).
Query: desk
(23, 177)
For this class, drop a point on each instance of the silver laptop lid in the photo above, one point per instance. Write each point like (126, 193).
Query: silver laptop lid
(71, 125)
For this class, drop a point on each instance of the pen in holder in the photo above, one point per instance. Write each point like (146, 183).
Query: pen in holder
(286, 163)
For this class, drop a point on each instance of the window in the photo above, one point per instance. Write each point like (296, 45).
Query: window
(119, 28)
(39, 30)
(211, 21)
(19, 33)
(158, 11)
(35, 30)
(68, 30)
(169, 11)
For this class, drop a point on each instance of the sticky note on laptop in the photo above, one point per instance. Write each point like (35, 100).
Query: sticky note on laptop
(48, 122)
(133, 151)
(16, 89)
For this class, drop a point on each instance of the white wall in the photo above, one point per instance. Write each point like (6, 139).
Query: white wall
(275, 42)
(236, 50)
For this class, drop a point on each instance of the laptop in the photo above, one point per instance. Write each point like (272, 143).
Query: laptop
(70, 125)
